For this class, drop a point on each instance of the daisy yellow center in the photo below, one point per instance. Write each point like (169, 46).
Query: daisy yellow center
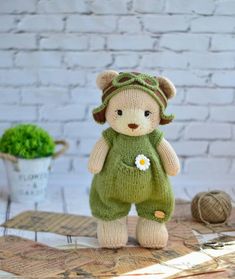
(142, 161)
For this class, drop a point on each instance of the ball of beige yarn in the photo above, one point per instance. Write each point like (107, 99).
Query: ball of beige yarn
(211, 207)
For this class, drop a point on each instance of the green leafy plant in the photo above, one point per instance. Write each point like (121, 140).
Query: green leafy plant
(27, 141)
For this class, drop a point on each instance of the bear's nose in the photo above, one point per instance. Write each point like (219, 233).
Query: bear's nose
(133, 126)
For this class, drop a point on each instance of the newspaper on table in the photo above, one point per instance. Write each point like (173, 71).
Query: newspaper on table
(64, 224)
(27, 258)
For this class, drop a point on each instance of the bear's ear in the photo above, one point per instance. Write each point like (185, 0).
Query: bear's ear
(104, 78)
(167, 87)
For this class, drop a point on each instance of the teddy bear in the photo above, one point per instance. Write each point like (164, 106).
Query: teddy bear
(132, 160)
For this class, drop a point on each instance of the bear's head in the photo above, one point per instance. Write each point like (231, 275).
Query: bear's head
(133, 103)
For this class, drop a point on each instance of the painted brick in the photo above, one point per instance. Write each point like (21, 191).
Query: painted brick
(184, 148)
(190, 7)
(126, 42)
(18, 41)
(53, 128)
(73, 146)
(184, 41)
(210, 131)
(62, 165)
(17, 77)
(93, 24)
(224, 78)
(224, 114)
(151, 7)
(233, 128)
(7, 23)
(165, 60)
(208, 96)
(44, 95)
(225, 148)
(126, 60)
(18, 6)
(213, 60)
(41, 23)
(61, 77)
(62, 113)
(63, 7)
(88, 59)
(213, 24)
(96, 42)
(64, 41)
(91, 79)
(85, 147)
(38, 59)
(9, 96)
(173, 131)
(6, 59)
(164, 23)
(81, 130)
(225, 7)
(186, 78)
(129, 24)
(109, 7)
(188, 112)
(233, 167)
(86, 96)
(207, 165)
(80, 164)
(179, 98)
(17, 113)
(223, 42)
(2, 171)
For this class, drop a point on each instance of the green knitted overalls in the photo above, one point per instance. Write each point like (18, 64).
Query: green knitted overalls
(121, 183)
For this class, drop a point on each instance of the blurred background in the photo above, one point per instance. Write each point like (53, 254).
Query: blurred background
(52, 50)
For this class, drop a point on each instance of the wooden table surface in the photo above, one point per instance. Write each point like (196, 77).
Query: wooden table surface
(61, 199)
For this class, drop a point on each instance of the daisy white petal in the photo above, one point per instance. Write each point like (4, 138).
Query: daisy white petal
(142, 162)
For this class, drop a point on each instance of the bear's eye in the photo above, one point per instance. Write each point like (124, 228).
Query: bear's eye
(119, 112)
(147, 113)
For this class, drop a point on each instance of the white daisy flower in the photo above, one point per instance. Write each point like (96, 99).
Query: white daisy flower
(142, 162)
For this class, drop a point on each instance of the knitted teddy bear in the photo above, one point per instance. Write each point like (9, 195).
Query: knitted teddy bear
(131, 162)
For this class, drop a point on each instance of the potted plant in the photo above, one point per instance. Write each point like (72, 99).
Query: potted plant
(27, 151)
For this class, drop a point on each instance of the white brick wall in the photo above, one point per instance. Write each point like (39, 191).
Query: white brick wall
(52, 50)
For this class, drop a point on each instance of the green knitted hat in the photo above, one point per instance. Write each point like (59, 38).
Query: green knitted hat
(144, 82)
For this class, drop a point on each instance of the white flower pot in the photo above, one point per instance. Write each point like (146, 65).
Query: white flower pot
(28, 179)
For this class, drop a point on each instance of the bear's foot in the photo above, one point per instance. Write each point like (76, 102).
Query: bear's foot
(151, 234)
(112, 234)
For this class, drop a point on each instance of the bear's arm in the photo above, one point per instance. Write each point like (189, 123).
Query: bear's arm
(98, 156)
(169, 158)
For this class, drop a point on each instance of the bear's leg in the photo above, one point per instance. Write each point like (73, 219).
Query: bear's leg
(151, 234)
(112, 234)
(111, 220)
(151, 231)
